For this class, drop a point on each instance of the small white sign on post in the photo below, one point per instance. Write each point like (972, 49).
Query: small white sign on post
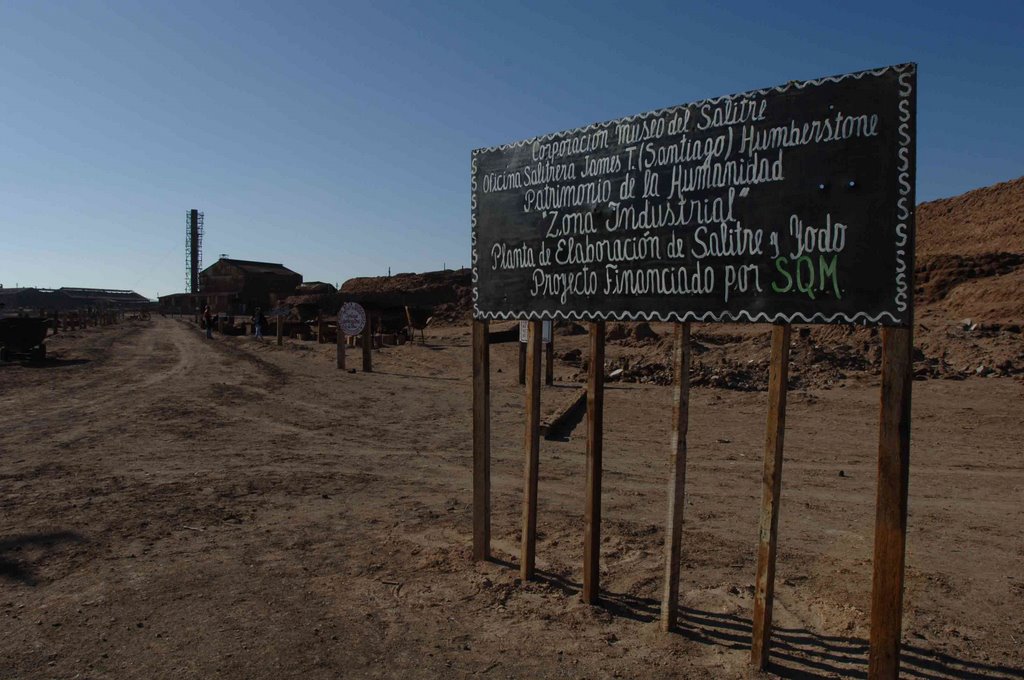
(524, 331)
(351, 318)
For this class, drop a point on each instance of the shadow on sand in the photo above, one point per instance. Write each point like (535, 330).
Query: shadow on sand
(796, 653)
(53, 362)
(418, 377)
(16, 569)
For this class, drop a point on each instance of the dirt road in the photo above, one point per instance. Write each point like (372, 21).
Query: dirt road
(173, 507)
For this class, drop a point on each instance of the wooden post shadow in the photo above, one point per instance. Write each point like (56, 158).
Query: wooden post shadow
(771, 489)
(677, 476)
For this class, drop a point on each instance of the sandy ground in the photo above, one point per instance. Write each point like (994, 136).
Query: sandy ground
(172, 507)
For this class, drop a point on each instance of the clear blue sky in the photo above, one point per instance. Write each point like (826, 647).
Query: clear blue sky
(336, 137)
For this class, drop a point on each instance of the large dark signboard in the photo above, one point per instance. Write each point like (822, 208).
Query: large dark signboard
(793, 203)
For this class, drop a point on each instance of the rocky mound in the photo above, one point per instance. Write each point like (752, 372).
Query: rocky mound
(970, 255)
(986, 220)
(446, 295)
(969, 292)
(969, 298)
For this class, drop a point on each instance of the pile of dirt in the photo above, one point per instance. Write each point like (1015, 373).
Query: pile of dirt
(938, 275)
(969, 296)
(821, 357)
(740, 362)
(970, 255)
(445, 295)
(982, 221)
(633, 334)
(970, 283)
(969, 293)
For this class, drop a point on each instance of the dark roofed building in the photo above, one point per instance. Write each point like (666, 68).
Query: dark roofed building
(34, 299)
(312, 299)
(105, 298)
(178, 303)
(239, 286)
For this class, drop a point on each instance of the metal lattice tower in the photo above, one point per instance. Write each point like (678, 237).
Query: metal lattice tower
(193, 249)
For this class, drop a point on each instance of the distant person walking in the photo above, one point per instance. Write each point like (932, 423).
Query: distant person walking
(259, 321)
(208, 321)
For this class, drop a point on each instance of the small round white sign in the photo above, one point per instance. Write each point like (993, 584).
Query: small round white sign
(352, 318)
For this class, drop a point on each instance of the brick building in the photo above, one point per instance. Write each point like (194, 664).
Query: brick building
(239, 286)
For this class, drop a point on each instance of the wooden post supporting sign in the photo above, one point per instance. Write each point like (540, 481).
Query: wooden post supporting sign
(859, 179)
(595, 445)
(677, 477)
(481, 442)
(532, 447)
(891, 503)
(353, 320)
(771, 489)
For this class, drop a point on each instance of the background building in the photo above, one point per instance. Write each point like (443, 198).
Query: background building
(239, 286)
(62, 299)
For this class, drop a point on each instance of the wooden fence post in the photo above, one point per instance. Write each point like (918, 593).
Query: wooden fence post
(771, 489)
(481, 441)
(280, 330)
(367, 346)
(891, 503)
(677, 479)
(341, 346)
(532, 446)
(595, 446)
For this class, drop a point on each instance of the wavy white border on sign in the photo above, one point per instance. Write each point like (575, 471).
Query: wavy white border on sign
(903, 212)
(902, 299)
(721, 317)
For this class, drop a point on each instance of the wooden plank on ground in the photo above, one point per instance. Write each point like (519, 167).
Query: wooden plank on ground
(563, 412)
(507, 335)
